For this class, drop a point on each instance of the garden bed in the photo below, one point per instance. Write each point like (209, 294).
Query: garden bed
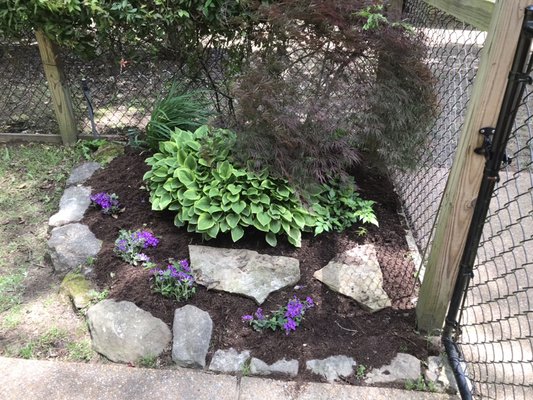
(337, 325)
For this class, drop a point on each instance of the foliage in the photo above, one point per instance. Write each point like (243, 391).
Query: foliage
(88, 147)
(176, 281)
(287, 318)
(420, 385)
(178, 109)
(129, 246)
(108, 203)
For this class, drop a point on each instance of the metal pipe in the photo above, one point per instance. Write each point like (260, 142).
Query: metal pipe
(495, 154)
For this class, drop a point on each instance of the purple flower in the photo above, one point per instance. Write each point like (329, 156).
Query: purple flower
(121, 245)
(247, 318)
(185, 265)
(290, 325)
(310, 302)
(143, 257)
(295, 308)
(107, 202)
(146, 238)
(259, 314)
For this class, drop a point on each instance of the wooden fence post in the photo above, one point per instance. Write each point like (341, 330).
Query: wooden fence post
(465, 176)
(59, 89)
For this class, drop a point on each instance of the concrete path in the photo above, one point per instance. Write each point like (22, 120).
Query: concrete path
(31, 379)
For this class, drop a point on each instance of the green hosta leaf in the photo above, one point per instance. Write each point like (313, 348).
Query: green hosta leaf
(275, 225)
(225, 170)
(192, 144)
(271, 239)
(178, 221)
(165, 201)
(161, 172)
(190, 163)
(232, 220)
(213, 192)
(181, 157)
(191, 194)
(264, 218)
(174, 206)
(295, 237)
(213, 208)
(185, 176)
(205, 222)
(264, 199)
(224, 227)
(213, 231)
(260, 227)
(203, 204)
(156, 203)
(238, 207)
(298, 220)
(283, 191)
(237, 233)
(201, 131)
(256, 208)
(234, 189)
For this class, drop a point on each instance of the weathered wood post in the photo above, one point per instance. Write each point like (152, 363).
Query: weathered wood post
(59, 89)
(465, 176)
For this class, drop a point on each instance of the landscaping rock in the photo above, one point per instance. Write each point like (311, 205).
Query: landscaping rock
(72, 206)
(440, 373)
(78, 289)
(402, 368)
(259, 367)
(123, 332)
(192, 330)
(243, 272)
(332, 368)
(82, 173)
(356, 273)
(108, 152)
(71, 245)
(229, 360)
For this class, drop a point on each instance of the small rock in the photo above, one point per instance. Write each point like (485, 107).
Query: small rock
(78, 289)
(332, 368)
(440, 373)
(192, 334)
(243, 272)
(402, 368)
(70, 246)
(82, 173)
(356, 273)
(259, 367)
(123, 332)
(229, 360)
(72, 206)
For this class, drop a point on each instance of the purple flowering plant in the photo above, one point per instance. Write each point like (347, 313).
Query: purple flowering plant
(130, 245)
(288, 317)
(108, 203)
(176, 281)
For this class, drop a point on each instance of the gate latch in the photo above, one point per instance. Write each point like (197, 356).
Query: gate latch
(486, 147)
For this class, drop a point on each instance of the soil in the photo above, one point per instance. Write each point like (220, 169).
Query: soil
(337, 325)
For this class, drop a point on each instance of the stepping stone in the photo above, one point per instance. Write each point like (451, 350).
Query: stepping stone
(404, 367)
(356, 273)
(70, 246)
(78, 289)
(243, 272)
(125, 333)
(229, 360)
(332, 368)
(72, 206)
(259, 367)
(82, 173)
(192, 334)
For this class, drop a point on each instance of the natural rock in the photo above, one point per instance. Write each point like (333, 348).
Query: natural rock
(192, 330)
(243, 272)
(72, 206)
(82, 173)
(332, 368)
(78, 289)
(229, 360)
(123, 332)
(71, 245)
(356, 274)
(439, 372)
(108, 152)
(259, 367)
(403, 367)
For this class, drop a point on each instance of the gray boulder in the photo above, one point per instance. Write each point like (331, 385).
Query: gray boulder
(70, 246)
(229, 360)
(259, 367)
(404, 367)
(123, 332)
(356, 273)
(72, 206)
(243, 272)
(332, 368)
(82, 173)
(192, 330)
(440, 373)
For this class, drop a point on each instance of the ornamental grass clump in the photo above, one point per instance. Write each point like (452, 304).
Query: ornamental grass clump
(287, 318)
(176, 281)
(130, 245)
(108, 203)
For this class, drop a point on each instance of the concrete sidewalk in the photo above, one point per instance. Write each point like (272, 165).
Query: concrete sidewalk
(31, 379)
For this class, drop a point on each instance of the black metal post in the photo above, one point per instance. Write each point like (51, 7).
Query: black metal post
(87, 95)
(494, 151)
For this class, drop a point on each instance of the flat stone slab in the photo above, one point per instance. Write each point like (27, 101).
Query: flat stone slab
(229, 360)
(332, 368)
(82, 173)
(78, 289)
(70, 246)
(192, 330)
(404, 367)
(72, 206)
(356, 273)
(285, 367)
(123, 332)
(244, 272)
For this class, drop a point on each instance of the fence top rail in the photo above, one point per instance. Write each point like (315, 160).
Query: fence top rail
(477, 13)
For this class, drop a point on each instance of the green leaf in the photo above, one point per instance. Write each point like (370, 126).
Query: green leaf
(238, 207)
(184, 175)
(161, 172)
(232, 220)
(165, 201)
(205, 222)
(264, 218)
(234, 189)
(178, 221)
(213, 231)
(190, 163)
(237, 233)
(191, 194)
(271, 239)
(225, 170)
(298, 220)
(203, 204)
(275, 225)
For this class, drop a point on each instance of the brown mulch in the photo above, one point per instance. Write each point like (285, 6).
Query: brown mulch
(337, 325)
